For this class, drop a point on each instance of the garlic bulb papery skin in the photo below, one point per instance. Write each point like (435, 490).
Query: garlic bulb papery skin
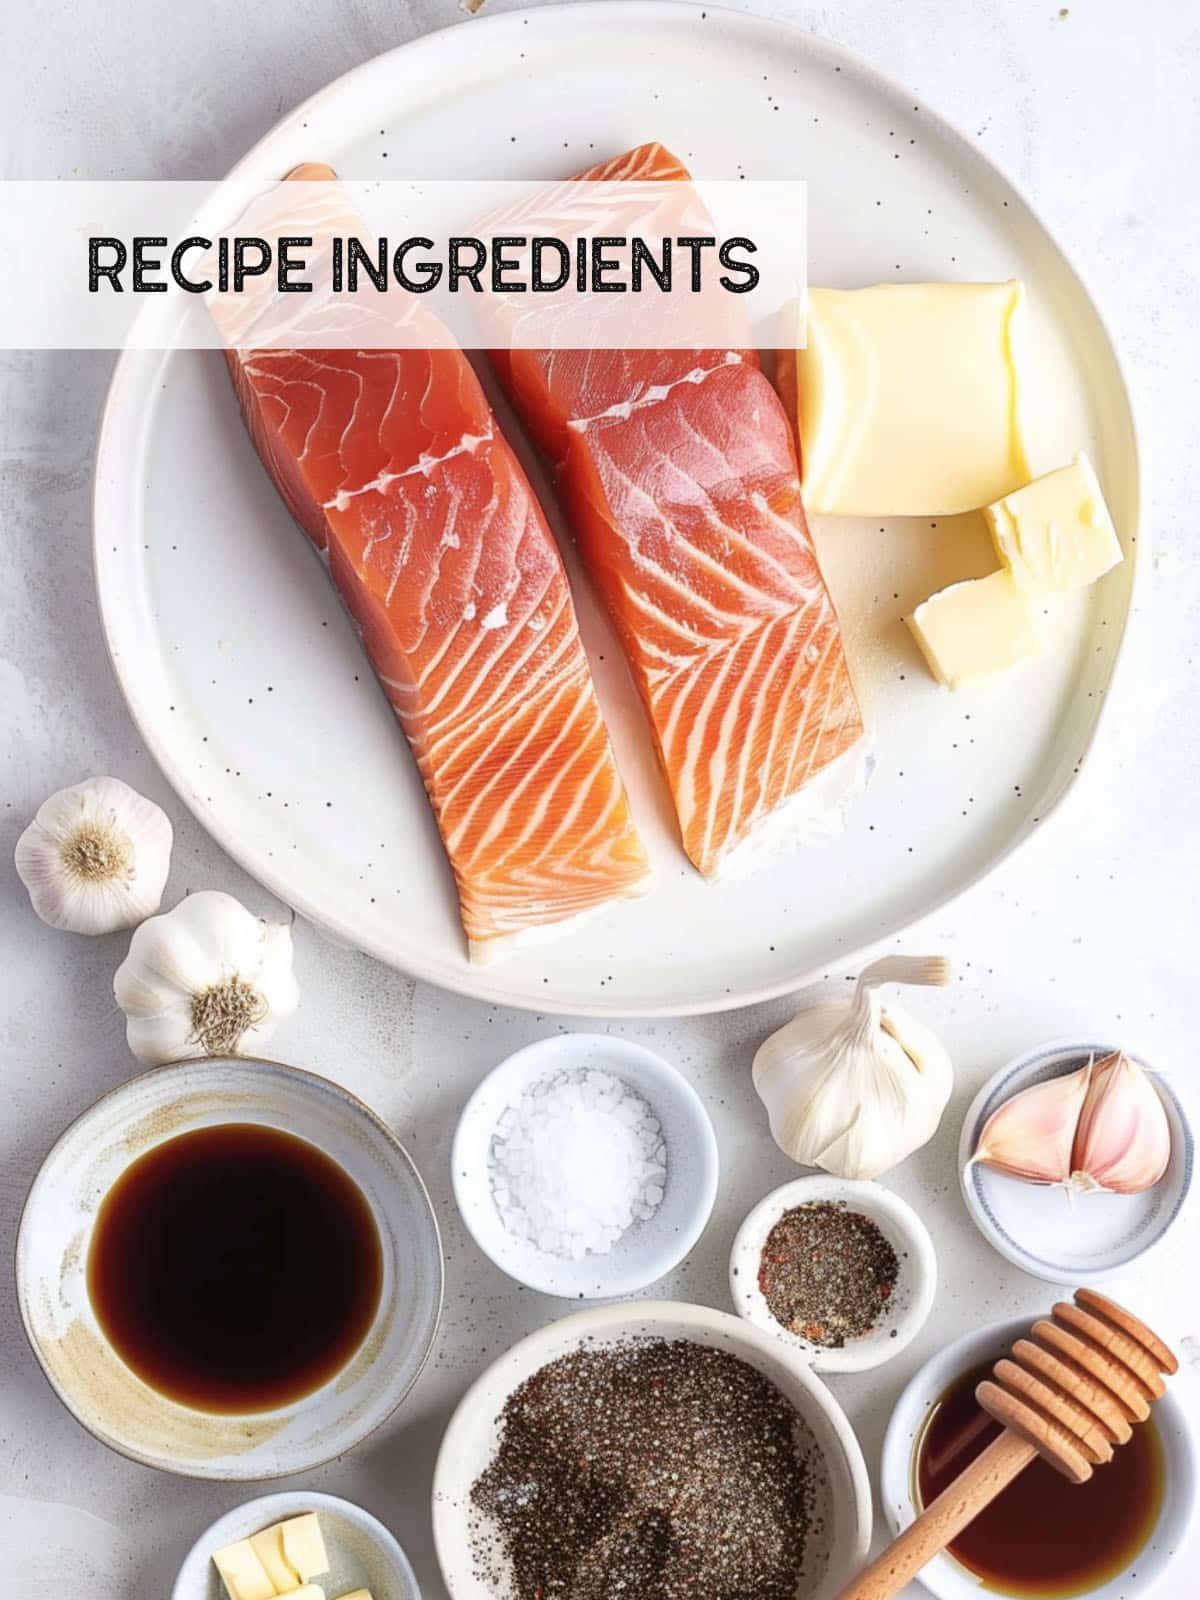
(1032, 1135)
(206, 979)
(1122, 1142)
(96, 857)
(853, 1086)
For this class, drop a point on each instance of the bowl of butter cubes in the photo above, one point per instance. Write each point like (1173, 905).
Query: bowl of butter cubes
(585, 1166)
(304, 1546)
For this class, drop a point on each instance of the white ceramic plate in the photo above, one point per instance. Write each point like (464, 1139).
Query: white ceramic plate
(647, 1250)
(91, 1379)
(946, 1577)
(912, 1295)
(362, 1553)
(841, 1510)
(1080, 1239)
(249, 686)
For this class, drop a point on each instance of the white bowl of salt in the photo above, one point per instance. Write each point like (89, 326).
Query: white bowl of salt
(585, 1166)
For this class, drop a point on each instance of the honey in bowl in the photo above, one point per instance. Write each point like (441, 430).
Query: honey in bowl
(1042, 1536)
(235, 1268)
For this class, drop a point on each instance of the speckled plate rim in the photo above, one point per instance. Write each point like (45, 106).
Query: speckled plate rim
(986, 1101)
(189, 1585)
(131, 1454)
(135, 375)
(873, 1350)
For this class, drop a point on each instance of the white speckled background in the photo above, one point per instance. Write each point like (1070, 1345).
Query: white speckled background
(1093, 928)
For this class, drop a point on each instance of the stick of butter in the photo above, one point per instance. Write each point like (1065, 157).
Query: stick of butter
(357, 1594)
(906, 398)
(310, 1591)
(975, 628)
(1056, 533)
(242, 1573)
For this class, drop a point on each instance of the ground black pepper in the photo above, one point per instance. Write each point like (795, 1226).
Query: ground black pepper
(827, 1272)
(646, 1471)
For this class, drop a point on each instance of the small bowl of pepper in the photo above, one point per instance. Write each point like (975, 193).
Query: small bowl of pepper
(841, 1271)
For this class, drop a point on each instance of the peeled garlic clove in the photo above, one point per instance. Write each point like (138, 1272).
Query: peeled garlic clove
(95, 858)
(1123, 1140)
(1032, 1135)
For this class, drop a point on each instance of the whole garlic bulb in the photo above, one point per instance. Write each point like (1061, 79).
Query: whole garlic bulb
(96, 857)
(853, 1086)
(206, 979)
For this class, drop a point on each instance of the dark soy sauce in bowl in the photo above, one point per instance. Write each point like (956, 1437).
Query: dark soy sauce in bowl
(235, 1268)
(1042, 1536)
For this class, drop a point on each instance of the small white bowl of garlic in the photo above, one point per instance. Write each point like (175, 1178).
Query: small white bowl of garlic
(1076, 1159)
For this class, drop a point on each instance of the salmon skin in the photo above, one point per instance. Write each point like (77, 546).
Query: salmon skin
(678, 472)
(393, 464)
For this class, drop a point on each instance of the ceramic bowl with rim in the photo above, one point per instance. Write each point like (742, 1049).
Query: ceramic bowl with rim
(841, 1522)
(647, 1249)
(947, 1578)
(362, 1553)
(104, 1394)
(908, 1305)
(1070, 1239)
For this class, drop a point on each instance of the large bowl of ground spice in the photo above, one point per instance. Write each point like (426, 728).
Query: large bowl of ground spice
(649, 1449)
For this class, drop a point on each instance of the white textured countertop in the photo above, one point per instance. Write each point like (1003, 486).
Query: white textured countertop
(1092, 928)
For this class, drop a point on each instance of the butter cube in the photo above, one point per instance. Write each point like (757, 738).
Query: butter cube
(303, 1546)
(310, 1591)
(268, 1547)
(356, 1594)
(975, 628)
(1056, 532)
(242, 1573)
(906, 398)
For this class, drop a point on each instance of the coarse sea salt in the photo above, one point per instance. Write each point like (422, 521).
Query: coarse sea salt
(576, 1162)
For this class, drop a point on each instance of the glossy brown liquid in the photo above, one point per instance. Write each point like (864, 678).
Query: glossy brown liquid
(235, 1268)
(1043, 1535)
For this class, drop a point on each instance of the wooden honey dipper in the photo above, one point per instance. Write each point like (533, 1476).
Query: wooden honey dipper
(1069, 1393)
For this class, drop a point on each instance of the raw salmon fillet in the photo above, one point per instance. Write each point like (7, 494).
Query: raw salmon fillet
(393, 464)
(678, 471)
